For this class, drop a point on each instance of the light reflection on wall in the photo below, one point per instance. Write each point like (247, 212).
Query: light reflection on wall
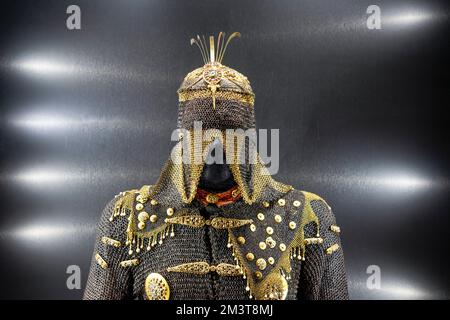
(403, 291)
(396, 286)
(55, 176)
(38, 176)
(42, 121)
(48, 231)
(396, 180)
(44, 66)
(399, 181)
(46, 176)
(48, 65)
(407, 18)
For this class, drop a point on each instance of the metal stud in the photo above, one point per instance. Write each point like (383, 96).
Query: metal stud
(153, 218)
(282, 247)
(260, 216)
(278, 218)
(143, 216)
(241, 240)
(271, 260)
(281, 202)
(261, 263)
(252, 227)
(266, 204)
(140, 199)
(269, 230)
(153, 202)
(170, 212)
(297, 203)
(250, 256)
(262, 245)
(212, 198)
(139, 206)
(271, 242)
(292, 225)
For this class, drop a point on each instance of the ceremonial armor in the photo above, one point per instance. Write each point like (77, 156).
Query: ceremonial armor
(261, 239)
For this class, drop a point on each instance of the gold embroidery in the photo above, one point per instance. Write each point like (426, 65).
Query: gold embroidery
(308, 241)
(101, 261)
(212, 198)
(228, 223)
(275, 287)
(193, 267)
(273, 284)
(201, 268)
(228, 270)
(332, 249)
(220, 95)
(125, 200)
(156, 287)
(129, 263)
(197, 221)
(111, 242)
(335, 229)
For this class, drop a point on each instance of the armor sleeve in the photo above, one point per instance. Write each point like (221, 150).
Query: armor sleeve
(334, 278)
(107, 279)
(323, 275)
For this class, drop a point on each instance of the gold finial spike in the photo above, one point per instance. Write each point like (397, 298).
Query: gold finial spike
(216, 53)
(219, 42)
(211, 49)
(205, 46)
(200, 48)
(231, 37)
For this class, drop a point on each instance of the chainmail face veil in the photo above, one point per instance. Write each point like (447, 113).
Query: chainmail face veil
(182, 173)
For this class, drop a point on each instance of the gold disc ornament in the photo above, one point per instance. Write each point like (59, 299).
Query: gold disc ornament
(156, 287)
(275, 287)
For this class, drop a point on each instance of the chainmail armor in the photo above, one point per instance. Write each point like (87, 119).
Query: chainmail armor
(287, 252)
(320, 276)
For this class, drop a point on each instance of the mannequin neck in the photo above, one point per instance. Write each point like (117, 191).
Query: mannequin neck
(216, 178)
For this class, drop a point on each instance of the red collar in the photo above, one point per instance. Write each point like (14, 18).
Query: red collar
(219, 199)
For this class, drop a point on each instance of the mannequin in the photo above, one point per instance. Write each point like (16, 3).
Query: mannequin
(216, 177)
(222, 230)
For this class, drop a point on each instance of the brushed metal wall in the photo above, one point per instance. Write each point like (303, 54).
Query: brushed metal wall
(88, 113)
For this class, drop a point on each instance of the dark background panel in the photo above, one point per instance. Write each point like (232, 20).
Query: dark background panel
(362, 115)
